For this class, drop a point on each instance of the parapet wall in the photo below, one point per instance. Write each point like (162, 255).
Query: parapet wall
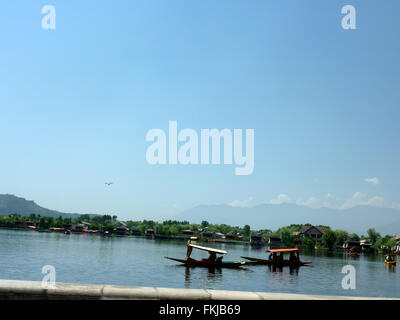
(16, 289)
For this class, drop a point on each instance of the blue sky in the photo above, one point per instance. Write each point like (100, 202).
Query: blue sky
(76, 102)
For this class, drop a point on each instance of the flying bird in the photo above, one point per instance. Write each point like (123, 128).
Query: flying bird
(108, 183)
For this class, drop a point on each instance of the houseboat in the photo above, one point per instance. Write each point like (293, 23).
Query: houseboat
(278, 260)
(274, 242)
(150, 234)
(211, 262)
(257, 241)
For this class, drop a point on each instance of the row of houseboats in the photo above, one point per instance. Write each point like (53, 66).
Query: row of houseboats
(276, 258)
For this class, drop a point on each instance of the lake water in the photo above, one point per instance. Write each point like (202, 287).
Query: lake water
(134, 261)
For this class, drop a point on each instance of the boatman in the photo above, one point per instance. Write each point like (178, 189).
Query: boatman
(189, 250)
(212, 257)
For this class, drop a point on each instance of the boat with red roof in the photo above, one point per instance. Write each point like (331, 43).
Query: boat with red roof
(276, 258)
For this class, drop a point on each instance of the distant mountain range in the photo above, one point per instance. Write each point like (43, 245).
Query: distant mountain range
(270, 216)
(12, 204)
(265, 216)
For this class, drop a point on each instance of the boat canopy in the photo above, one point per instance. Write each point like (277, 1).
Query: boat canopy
(207, 249)
(283, 250)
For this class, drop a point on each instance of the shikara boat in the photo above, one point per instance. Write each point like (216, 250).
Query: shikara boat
(279, 261)
(390, 259)
(211, 262)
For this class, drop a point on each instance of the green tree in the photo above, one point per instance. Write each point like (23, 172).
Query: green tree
(246, 230)
(67, 220)
(373, 235)
(356, 237)
(385, 243)
(84, 217)
(46, 222)
(329, 239)
(341, 237)
(287, 239)
(59, 222)
(204, 224)
(308, 243)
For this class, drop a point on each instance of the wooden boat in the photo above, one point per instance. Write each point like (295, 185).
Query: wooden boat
(59, 230)
(353, 252)
(390, 259)
(278, 261)
(208, 264)
(90, 231)
(211, 262)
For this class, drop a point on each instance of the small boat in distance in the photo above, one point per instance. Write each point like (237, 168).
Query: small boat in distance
(353, 253)
(279, 261)
(390, 259)
(211, 262)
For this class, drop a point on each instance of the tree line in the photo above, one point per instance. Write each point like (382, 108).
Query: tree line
(330, 239)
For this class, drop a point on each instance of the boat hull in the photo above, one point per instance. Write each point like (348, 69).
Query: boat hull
(390, 263)
(284, 263)
(208, 264)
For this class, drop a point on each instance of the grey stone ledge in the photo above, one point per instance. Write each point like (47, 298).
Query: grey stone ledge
(17, 289)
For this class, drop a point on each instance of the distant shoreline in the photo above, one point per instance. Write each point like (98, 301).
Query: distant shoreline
(182, 238)
(305, 236)
(157, 237)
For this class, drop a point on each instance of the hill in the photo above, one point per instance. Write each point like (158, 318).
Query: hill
(12, 204)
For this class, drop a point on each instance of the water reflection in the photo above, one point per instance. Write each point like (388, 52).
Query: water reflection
(187, 277)
(292, 270)
(212, 275)
(391, 268)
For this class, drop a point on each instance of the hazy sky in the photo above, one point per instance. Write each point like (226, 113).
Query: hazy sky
(76, 102)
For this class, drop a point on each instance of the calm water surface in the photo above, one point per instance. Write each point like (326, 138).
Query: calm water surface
(132, 261)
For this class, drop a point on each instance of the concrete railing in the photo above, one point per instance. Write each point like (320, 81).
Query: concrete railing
(16, 289)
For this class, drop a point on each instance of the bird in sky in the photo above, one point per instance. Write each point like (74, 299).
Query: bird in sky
(108, 183)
